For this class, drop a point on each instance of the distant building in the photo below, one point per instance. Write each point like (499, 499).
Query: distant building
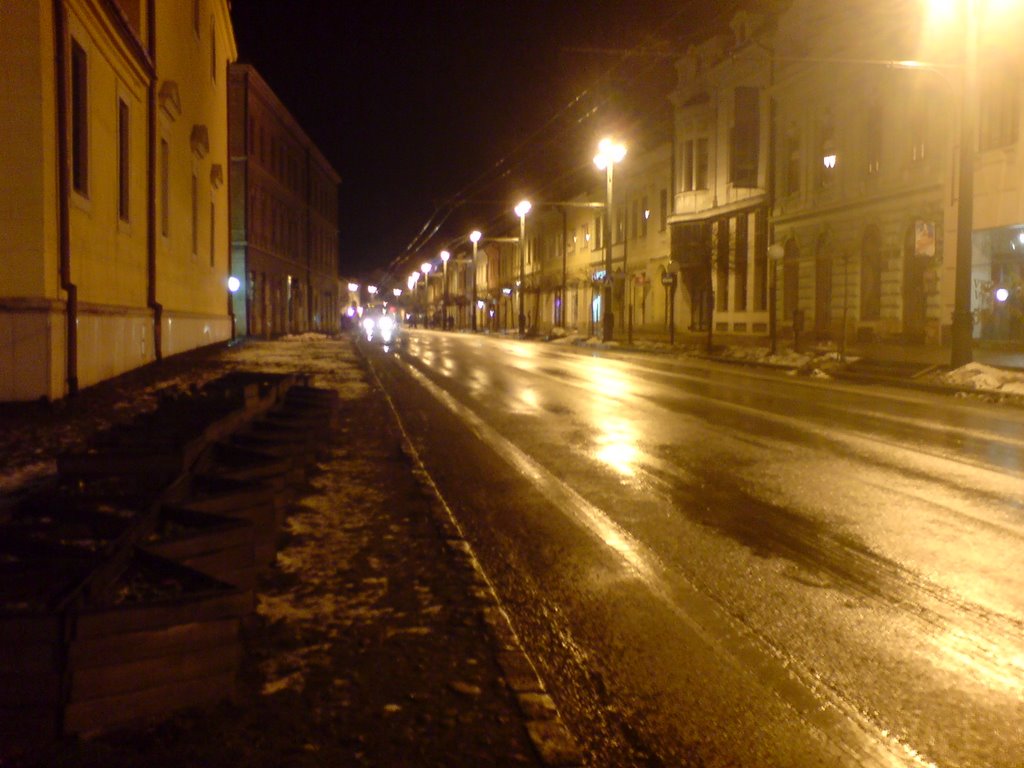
(284, 218)
(113, 188)
(805, 127)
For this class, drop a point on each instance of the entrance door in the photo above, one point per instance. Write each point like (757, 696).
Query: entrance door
(822, 290)
(915, 304)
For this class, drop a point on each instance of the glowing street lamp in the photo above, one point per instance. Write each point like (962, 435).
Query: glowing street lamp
(608, 154)
(521, 209)
(474, 238)
(425, 268)
(396, 292)
(445, 255)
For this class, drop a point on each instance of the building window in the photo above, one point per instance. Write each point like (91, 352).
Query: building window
(722, 265)
(79, 119)
(688, 160)
(792, 156)
(123, 160)
(746, 137)
(195, 17)
(620, 223)
(871, 275)
(998, 111)
(695, 165)
(873, 138)
(740, 273)
(701, 165)
(663, 210)
(634, 218)
(645, 214)
(195, 215)
(165, 184)
(790, 278)
(598, 239)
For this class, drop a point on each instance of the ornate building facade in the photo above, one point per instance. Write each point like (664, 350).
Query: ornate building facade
(114, 206)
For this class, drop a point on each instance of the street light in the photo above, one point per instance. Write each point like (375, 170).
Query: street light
(963, 321)
(425, 268)
(521, 210)
(445, 255)
(608, 154)
(474, 238)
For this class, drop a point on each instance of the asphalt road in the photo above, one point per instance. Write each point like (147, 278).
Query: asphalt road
(717, 565)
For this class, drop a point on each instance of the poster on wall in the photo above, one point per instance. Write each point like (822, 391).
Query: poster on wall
(924, 238)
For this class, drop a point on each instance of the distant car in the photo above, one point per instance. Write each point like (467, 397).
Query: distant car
(381, 328)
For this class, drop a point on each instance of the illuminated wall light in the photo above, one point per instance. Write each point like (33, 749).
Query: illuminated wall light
(234, 284)
(829, 161)
(1002, 295)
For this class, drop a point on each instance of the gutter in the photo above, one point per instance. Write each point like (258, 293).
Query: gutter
(63, 191)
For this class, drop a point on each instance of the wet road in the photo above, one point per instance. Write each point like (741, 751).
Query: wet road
(714, 565)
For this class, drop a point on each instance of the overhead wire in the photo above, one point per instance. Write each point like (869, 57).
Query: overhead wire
(540, 138)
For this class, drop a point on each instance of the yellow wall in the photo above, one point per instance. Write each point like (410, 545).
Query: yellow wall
(108, 260)
(28, 251)
(186, 281)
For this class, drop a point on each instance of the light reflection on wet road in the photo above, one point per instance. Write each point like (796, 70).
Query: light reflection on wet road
(736, 567)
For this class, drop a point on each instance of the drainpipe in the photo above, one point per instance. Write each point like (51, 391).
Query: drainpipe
(151, 203)
(63, 191)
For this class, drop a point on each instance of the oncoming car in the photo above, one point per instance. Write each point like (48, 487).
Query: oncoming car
(380, 327)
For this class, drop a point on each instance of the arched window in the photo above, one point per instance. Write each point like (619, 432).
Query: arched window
(790, 278)
(871, 274)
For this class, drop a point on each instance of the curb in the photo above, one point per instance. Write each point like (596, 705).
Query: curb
(553, 742)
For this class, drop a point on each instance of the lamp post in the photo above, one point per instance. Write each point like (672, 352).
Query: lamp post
(445, 255)
(425, 268)
(521, 210)
(608, 154)
(775, 254)
(963, 319)
(474, 238)
(414, 278)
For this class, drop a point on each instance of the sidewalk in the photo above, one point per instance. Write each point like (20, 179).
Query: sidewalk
(377, 641)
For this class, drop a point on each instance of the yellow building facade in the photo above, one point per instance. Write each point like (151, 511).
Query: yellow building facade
(114, 199)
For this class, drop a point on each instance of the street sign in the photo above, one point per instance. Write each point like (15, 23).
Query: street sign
(668, 278)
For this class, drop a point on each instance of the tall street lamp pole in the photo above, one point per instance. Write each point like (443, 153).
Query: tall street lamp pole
(445, 255)
(474, 238)
(521, 210)
(608, 153)
(425, 268)
(963, 319)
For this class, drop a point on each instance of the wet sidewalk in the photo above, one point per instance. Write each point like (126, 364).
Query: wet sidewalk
(376, 641)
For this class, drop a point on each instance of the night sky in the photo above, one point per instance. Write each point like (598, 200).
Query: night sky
(419, 103)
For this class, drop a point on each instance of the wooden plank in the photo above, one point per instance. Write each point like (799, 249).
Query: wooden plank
(30, 687)
(96, 715)
(133, 646)
(131, 677)
(27, 726)
(30, 629)
(230, 603)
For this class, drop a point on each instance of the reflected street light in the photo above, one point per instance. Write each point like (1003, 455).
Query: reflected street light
(521, 210)
(608, 154)
(445, 255)
(474, 238)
